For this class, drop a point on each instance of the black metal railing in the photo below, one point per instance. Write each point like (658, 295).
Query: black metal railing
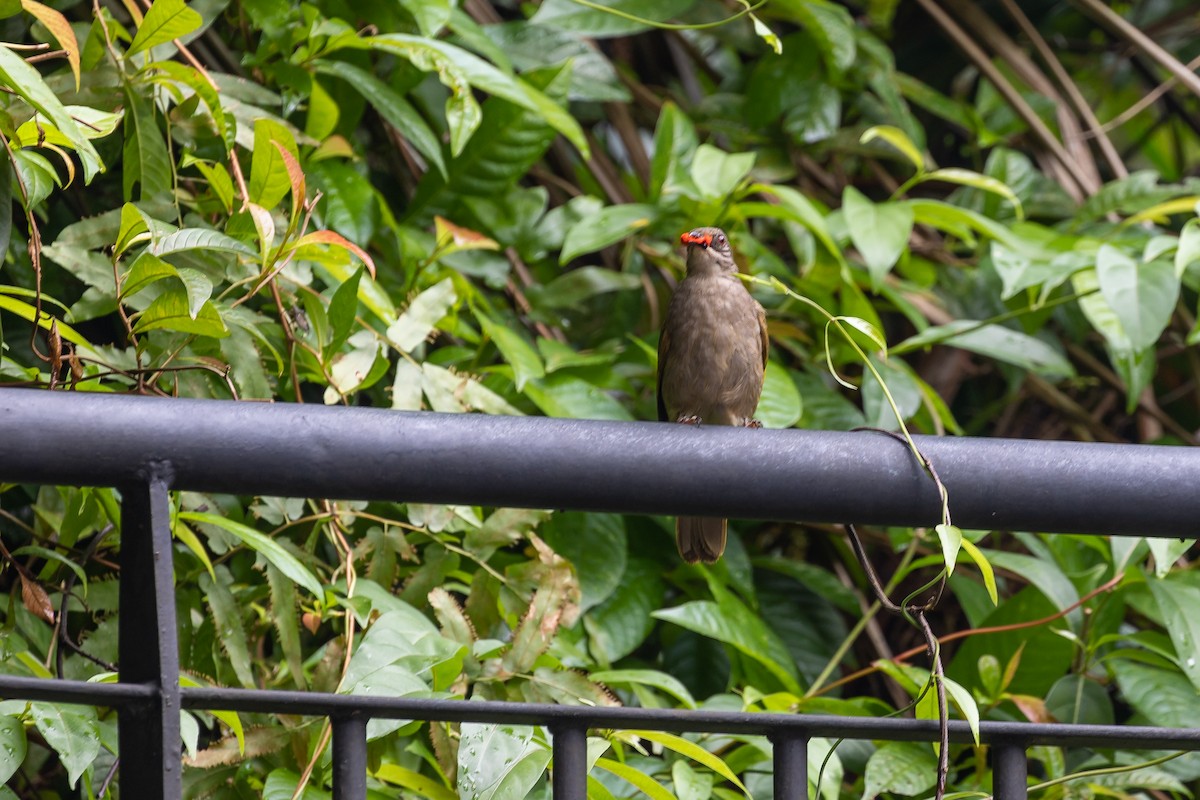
(147, 447)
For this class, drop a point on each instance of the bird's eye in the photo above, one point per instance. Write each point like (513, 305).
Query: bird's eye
(720, 239)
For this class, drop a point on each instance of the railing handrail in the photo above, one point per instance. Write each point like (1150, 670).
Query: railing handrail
(631, 467)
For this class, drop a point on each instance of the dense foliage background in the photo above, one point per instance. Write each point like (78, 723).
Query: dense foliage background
(476, 207)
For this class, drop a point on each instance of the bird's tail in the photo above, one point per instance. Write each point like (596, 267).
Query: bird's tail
(700, 538)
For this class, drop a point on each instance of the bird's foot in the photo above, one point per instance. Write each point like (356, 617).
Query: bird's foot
(690, 419)
(753, 423)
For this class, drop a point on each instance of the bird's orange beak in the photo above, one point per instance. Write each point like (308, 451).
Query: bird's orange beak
(704, 240)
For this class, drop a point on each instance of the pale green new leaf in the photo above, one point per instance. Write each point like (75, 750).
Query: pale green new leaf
(166, 20)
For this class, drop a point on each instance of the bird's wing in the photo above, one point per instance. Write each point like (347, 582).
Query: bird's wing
(762, 331)
(664, 348)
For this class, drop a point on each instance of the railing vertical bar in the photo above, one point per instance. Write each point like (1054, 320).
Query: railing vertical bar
(1010, 772)
(349, 758)
(570, 762)
(791, 767)
(148, 645)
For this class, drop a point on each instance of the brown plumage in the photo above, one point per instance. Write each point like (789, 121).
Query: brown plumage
(711, 360)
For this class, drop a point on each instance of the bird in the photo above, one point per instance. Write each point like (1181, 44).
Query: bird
(712, 358)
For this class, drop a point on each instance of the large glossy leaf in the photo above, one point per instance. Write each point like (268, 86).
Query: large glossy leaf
(269, 178)
(611, 225)
(498, 762)
(717, 173)
(780, 405)
(1178, 602)
(71, 731)
(907, 768)
(525, 362)
(880, 231)
(733, 624)
(13, 745)
(173, 311)
(1141, 295)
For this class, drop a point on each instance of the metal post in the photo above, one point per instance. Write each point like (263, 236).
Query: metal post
(791, 767)
(1010, 772)
(349, 758)
(570, 762)
(148, 731)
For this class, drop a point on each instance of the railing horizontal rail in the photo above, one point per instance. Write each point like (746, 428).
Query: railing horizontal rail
(148, 446)
(600, 717)
(113, 695)
(815, 476)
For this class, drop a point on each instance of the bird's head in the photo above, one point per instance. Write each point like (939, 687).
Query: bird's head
(708, 252)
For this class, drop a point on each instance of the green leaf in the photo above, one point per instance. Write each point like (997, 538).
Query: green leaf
(166, 20)
(667, 684)
(526, 363)
(146, 161)
(28, 312)
(674, 142)
(459, 69)
(598, 24)
(135, 228)
(966, 706)
(780, 406)
(904, 389)
(1142, 296)
(717, 173)
(795, 206)
(172, 311)
(426, 310)
(19, 77)
(610, 225)
(71, 731)
(510, 140)
(985, 568)
(54, 555)
(269, 178)
(230, 629)
(343, 308)
(186, 239)
(398, 112)
(565, 395)
(620, 624)
(572, 288)
(268, 548)
(13, 746)
(966, 177)
(1188, 251)
(897, 139)
(1164, 697)
(905, 768)
(880, 231)
(994, 341)
(401, 636)
(640, 780)
(1178, 602)
(693, 751)
(733, 624)
(951, 537)
(421, 785)
(595, 545)
(962, 222)
(496, 762)
(146, 269)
